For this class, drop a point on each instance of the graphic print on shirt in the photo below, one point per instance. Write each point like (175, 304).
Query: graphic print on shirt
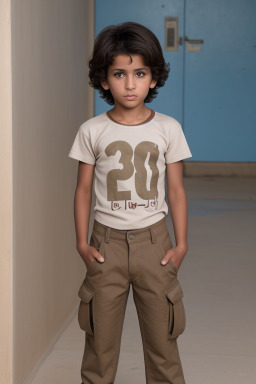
(145, 152)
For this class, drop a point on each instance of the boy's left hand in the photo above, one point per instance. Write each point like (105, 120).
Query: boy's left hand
(176, 254)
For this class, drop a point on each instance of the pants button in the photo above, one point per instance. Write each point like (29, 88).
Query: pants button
(131, 236)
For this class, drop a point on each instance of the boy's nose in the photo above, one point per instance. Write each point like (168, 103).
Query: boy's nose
(130, 83)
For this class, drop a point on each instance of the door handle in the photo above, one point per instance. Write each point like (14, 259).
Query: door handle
(193, 41)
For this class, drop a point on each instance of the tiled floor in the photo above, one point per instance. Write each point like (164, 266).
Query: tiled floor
(218, 280)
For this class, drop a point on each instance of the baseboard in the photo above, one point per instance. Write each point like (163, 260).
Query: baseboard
(50, 347)
(212, 168)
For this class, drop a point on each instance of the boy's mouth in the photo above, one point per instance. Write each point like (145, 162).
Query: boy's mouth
(130, 97)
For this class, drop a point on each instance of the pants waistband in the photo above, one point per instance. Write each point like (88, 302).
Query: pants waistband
(135, 235)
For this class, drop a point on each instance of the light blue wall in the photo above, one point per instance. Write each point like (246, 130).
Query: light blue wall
(212, 92)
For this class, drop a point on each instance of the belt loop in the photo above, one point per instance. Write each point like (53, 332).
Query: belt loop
(152, 234)
(107, 234)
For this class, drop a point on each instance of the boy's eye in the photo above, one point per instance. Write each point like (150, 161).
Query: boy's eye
(118, 74)
(140, 74)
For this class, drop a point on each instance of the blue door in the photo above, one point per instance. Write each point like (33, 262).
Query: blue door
(220, 80)
(211, 85)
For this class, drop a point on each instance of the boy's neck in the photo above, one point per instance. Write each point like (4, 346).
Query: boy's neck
(130, 116)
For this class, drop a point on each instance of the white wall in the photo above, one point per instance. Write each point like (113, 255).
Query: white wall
(6, 299)
(51, 98)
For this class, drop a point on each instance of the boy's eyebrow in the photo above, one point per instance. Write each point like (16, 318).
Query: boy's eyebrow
(137, 69)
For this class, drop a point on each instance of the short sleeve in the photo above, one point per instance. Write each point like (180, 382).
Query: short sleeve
(82, 147)
(178, 148)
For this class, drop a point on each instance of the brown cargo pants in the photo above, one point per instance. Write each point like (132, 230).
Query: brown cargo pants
(131, 257)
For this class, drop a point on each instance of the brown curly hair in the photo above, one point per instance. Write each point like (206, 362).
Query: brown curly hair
(128, 38)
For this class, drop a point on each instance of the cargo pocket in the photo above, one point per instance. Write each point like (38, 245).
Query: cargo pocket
(177, 317)
(85, 311)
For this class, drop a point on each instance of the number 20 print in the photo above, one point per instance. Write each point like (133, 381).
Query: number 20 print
(140, 154)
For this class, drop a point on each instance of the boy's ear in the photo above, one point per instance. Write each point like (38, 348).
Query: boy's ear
(153, 84)
(104, 85)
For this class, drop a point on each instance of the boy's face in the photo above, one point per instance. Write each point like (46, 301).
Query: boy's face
(128, 82)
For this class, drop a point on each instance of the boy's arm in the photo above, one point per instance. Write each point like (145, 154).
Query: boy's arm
(178, 207)
(82, 210)
(82, 202)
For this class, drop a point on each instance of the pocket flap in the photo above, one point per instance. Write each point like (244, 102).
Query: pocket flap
(174, 294)
(85, 293)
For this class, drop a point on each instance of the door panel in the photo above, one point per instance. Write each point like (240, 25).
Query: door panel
(220, 81)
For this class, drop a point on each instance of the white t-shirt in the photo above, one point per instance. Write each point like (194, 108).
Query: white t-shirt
(130, 163)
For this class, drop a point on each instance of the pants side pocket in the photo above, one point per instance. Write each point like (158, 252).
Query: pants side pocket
(177, 317)
(85, 311)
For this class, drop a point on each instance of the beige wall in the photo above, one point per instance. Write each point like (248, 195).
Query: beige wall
(5, 196)
(50, 48)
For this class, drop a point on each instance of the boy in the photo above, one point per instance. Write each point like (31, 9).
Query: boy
(129, 148)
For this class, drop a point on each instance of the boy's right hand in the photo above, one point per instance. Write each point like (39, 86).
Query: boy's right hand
(88, 254)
